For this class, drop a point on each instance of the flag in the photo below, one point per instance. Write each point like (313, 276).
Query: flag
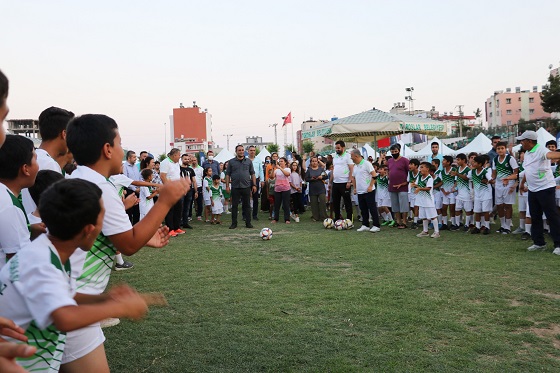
(287, 119)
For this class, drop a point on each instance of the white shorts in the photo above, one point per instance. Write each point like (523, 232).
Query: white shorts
(438, 199)
(503, 197)
(448, 199)
(463, 205)
(411, 200)
(522, 203)
(427, 213)
(384, 202)
(482, 206)
(81, 342)
(207, 202)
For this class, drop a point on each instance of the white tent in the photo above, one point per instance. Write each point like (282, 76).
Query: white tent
(543, 137)
(263, 154)
(427, 150)
(480, 144)
(223, 156)
(406, 151)
(368, 151)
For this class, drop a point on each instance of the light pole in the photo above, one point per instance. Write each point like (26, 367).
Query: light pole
(227, 137)
(275, 135)
(410, 100)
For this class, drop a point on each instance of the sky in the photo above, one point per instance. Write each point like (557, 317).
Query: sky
(251, 62)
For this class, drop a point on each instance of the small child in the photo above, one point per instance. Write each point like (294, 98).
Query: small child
(383, 198)
(147, 194)
(480, 177)
(524, 228)
(438, 196)
(464, 200)
(217, 194)
(207, 196)
(295, 191)
(504, 175)
(425, 201)
(448, 190)
(412, 179)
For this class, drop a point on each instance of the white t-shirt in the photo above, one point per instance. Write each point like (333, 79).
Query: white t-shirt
(482, 191)
(170, 168)
(14, 233)
(362, 173)
(341, 170)
(504, 169)
(34, 285)
(198, 174)
(121, 182)
(537, 169)
(92, 269)
(145, 203)
(46, 162)
(425, 198)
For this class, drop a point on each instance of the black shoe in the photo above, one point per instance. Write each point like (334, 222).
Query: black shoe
(233, 226)
(255, 218)
(444, 227)
(475, 231)
(126, 265)
(454, 227)
(526, 236)
(466, 228)
(506, 231)
(187, 226)
(500, 230)
(414, 226)
(249, 225)
(485, 231)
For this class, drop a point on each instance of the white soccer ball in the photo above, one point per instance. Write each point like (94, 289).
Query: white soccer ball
(349, 224)
(339, 225)
(328, 223)
(266, 233)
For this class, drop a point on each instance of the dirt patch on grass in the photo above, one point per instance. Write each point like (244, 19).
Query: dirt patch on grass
(549, 334)
(515, 303)
(548, 295)
(477, 301)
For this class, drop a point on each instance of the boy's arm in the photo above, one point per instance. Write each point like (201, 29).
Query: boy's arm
(145, 183)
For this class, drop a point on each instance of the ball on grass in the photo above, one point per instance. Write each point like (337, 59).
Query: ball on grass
(349, 224)
(328, 223)
(339, 225)
(266, 233)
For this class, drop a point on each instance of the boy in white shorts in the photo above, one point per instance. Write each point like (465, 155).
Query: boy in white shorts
(448, 191)
(504, 175)
(438, 196)
(412, 178)
(383, 198)
(37, 291)
(95, 141)
(425, 201)
(481, 178)
(464, 200)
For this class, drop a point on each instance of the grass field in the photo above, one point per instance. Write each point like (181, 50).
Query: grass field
(319, 300)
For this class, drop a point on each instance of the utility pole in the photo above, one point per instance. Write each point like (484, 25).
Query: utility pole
(410, 100)
(227, 137)
(275, 134)
(460, 122)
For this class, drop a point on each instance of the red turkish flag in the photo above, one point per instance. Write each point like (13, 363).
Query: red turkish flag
(287, 119)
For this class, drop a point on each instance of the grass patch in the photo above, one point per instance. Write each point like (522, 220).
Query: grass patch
(319, 300)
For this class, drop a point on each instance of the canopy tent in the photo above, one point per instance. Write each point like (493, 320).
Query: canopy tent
(480, 144)
(543, 137)
(223, 156)
(376, 124)
(263, 154)
(367, 151)
(406, 151)
(427, 150)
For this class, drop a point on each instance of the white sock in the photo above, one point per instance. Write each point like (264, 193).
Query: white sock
(503, 222)
(425, 224)
(545, 225)
(528, 227)
(487, 224)
(522, 223)
(119, 259)
(444, 219)
(439, 218)
(415, 220)
(482, 220)
(478, 224)
(508, 223)
(435, 224)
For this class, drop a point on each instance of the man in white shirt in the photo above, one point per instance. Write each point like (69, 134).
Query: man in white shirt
(363, 179)
(259, 174)
(542, 188)
(341, 180)
(131, 171)
(170, 170)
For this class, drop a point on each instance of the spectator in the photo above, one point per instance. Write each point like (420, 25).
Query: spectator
(315, 177)
(398, 185)
(241, 181)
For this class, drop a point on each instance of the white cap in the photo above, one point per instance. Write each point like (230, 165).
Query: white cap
(528, 135)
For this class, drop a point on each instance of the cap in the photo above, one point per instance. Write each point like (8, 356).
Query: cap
(528, 135)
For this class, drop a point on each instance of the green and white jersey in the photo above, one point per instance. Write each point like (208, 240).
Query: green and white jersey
(217, 192)
(382, 187)
(482, 191)
(121, 182)
(14, 233)
(463, 186)
(412, 178)
(425, 198)
(437, 180)
(448, 180)
(92, 268)
(504, 169)
(33, 285)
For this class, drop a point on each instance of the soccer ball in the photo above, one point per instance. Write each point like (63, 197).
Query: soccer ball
(266, 233)
(339, 225)
(328, 223)
(349, 224)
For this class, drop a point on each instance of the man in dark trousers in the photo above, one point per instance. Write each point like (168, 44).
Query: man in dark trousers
(241, 182)
(341, 180)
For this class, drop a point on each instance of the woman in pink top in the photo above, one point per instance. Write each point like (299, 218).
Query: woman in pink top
(281, 189)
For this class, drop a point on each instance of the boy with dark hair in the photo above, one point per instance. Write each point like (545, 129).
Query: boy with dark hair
(524, 228)
(481, 178)
(438, 196)
(383, 197)
(95, 141)
(18, 171)
(412, 178)
(4, 87)
(504, 175)
(425, 200)
(36, 287)
(44, 179)
(448, 191)
(464, 200)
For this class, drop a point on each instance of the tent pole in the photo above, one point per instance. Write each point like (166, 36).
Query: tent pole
(375, 144)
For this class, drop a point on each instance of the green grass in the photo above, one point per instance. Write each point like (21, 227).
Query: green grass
(320, 300)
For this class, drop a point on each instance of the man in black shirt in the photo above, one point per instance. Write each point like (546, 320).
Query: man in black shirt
(188, 172)
(241, 181)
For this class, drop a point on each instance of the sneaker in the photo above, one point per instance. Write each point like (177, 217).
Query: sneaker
(556, 251)
(401, 226)
(297, 219)
(199, 218)
(423, 234)
(392, 223)
(374, 229)
(485, 231)
(500, 230)
(443, 227)
(363, 228)
(519, 230)
(233, 226)
(187, 226)
(179, 231)
(122, 267)
(435, 235)
(414, 226)
(454, 227)
(506, 231)
(107, 323)
(385, 223)
(475, 231)
(190, 218)
(227, 213)
(173, 233)
(536, 247)
(466, 228)
(525, 236)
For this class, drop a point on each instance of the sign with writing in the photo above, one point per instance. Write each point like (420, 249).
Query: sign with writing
(420, 127)
(316, 132)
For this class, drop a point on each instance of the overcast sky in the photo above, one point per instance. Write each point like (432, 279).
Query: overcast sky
(251, 62)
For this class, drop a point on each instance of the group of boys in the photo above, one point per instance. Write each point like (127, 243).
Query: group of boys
(55, 261)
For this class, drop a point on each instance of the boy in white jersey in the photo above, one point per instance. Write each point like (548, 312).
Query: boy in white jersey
(425, 201)
(464, 200)
(481, 178)
(412, 178)
(504, 175)
(37, 291)
(438, 196)
(95, 141)
(147, 194)
(383, 198)
(448, 191)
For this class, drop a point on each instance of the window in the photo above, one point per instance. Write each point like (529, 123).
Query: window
(498, 113)
(508, 112)
(490, 104)
(490, 115)
(509, 122)
(508, 100)
(531, 100)
(497, 103)
(531, 111)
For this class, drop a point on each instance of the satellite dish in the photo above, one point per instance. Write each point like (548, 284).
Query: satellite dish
(550, 66)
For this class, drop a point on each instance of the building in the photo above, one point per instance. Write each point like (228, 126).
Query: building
(191, 129)
(508, 108)
(314, 130)
(25, 127)
(255, 141)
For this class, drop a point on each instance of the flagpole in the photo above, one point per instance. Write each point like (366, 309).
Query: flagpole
(293, 141)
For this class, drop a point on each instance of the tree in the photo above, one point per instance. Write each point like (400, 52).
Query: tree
(550, 96)
(327, 149)
(272, 148)
(290, 147)
(308, 146)
(162, 156)
(257, 151)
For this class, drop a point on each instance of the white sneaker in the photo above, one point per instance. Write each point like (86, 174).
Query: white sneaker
(536, 247)
(363, 228)
(556, 251)
(375, 229)
(107, 323)
(435, 235)
(297, 219)
(423, 234)
(519, 230)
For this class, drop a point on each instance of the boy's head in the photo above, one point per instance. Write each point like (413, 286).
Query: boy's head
(4, 85)
(18, 160)
(52, 126)
(215, 179)
(521, 154)
(461, 159)
(478, 161)
(425, 168)
(208, 171)
(552, 145)
(94, 138)
(44, 179)
(383, 170)
(73, 209)
(436, 162)
(147, 174)
(413, 164)
(486, 159)
(447, 160)
(501, 148)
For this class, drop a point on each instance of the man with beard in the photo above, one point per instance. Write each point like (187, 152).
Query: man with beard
(341, 180)
(398, 185)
